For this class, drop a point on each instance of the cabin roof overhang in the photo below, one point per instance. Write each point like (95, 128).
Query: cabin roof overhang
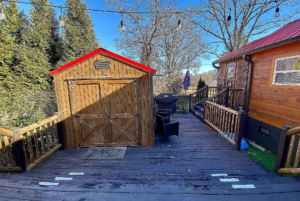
(289, 33)
(260, 49)
(106, 53)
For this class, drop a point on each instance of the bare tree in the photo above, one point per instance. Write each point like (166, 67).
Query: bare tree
(155, 37)
(178, 49)
(141, 28)
(248, 18)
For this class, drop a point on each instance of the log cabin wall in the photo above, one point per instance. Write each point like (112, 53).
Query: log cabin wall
(143, 94)
(274, 104)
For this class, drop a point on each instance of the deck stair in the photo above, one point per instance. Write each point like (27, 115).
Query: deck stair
(198, 111)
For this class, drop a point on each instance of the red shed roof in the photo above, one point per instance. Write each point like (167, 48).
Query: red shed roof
(106, 52)
(289, 33)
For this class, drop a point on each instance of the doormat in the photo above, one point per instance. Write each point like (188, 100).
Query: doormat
(104, 153)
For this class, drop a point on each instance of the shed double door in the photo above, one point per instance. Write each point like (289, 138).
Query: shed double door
(104, 112)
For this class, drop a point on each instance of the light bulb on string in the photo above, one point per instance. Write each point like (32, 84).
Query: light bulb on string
(228, 23)
(122, 23)
(277, 12)
(122, 26)
(61, 18)
(2, 14)
(178, 25)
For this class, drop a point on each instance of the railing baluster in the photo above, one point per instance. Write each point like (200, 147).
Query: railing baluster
(36, 144)
(8, 151)
(30, 146)
(290, 153)
(233, 119)
(229, 123)
(47, 137)
(24, 150)
(56, 132)
(42, 140)
(52, 133)
(296, 163)
(2, 159)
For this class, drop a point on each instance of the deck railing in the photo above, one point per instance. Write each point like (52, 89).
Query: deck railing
(26, 148)
(186, 102)
(226, 121)
(288, 151)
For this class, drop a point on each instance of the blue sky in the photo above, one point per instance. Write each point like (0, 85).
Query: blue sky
(105, 25)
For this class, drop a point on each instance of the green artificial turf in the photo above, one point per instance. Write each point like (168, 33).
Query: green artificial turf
(267, 159)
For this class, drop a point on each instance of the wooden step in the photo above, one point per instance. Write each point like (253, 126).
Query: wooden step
(198, 114)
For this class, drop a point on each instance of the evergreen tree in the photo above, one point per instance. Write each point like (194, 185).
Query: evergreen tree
(201, 84)
(36, 54)
(11, 29)
(79, 35)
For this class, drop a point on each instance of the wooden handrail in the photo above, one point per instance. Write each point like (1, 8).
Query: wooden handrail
(293, 131)
(37, 125)
(214, 96)
(223, 108)
(217, 94)
(198, 90)
(6, 132)
(29, 146)
(228, 122)
(241, 89)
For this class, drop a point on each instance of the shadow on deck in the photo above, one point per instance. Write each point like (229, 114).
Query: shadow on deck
(176, 170)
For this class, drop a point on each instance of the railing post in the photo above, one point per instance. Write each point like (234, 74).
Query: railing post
(241, 130)
(60, 131)
(190, 102)
(283, 149)
(18, 149)
(204, 108)
(227, 97)
(206, 94)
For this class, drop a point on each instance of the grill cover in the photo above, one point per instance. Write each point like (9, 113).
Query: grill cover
(166, 101)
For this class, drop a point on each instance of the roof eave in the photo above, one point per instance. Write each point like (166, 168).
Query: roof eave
(260, 49)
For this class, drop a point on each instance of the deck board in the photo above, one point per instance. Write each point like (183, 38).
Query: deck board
(151, 173)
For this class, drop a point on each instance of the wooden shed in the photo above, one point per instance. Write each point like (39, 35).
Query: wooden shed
(269, 70)
(105, 100)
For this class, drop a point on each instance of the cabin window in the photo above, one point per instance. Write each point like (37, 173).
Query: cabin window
(287, 71)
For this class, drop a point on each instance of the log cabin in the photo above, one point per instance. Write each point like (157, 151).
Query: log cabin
(105, 100)
(269, 71)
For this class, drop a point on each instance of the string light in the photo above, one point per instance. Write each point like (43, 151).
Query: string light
(122, 26)
(136, 12)
(277, 12)
(2, 14)
(61, 18)
(178, 25)
(229, 18)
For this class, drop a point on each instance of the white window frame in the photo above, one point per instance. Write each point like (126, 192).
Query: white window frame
(287, 71)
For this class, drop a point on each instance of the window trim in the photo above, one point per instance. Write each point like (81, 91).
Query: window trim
(291, 71)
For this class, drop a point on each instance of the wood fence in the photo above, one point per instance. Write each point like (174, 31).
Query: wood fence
(288, 151)
(227, 122)
(24, 149)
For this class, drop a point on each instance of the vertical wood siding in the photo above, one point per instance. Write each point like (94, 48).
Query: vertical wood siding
(99, 98)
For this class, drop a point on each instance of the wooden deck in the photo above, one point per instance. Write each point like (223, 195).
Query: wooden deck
(152, 174)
